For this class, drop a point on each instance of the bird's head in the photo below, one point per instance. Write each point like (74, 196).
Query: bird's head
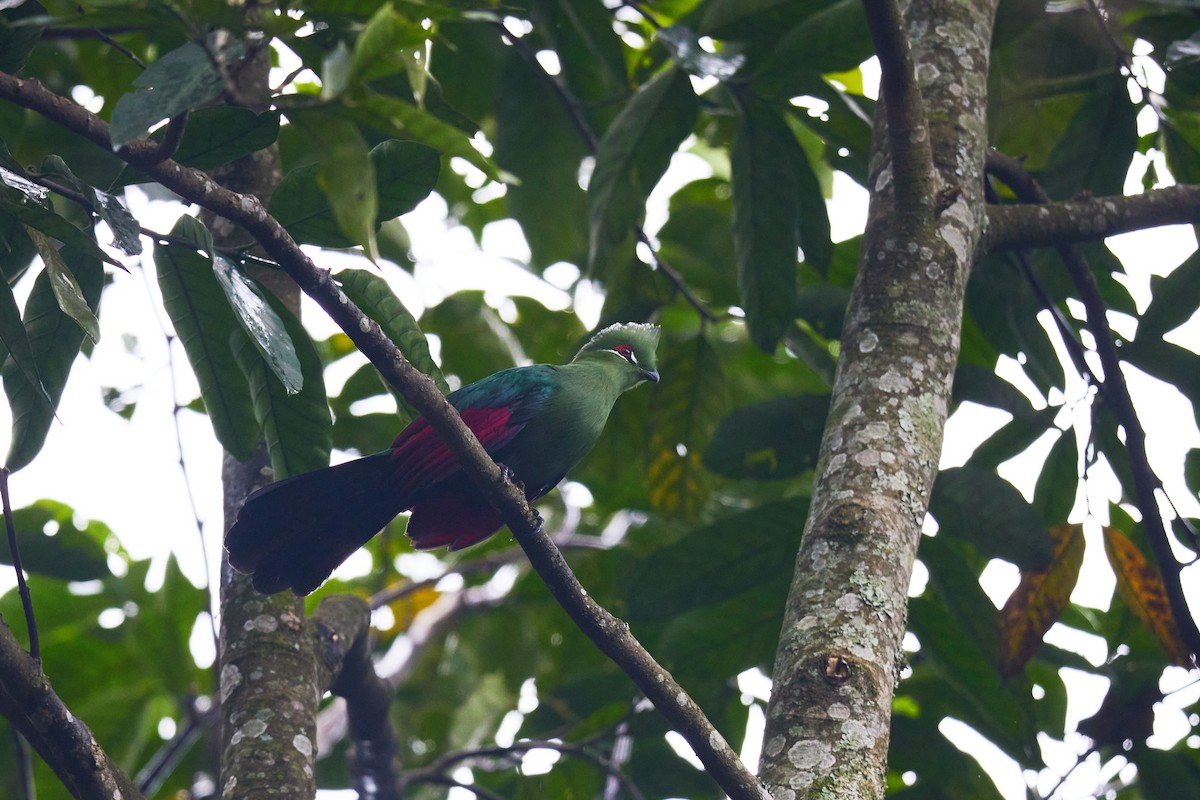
(628, 345)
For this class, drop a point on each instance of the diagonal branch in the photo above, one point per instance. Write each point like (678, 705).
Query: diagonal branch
(64, 742)
(1116, 395)
(913, 176)
(611, 635)
(1089, 219)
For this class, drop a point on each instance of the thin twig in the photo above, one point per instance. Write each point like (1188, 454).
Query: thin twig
(172, 136)
(120, 48)
(479, 566)
(163, 762)
(1123, 56)
(632, 5)
(176, 413)
(913, 175)
(24, 759)
(578, 121)
(446, 780)
(1117, 398)
(35, 648)
(517, 750)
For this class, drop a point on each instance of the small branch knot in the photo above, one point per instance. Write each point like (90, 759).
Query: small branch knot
(836, 670)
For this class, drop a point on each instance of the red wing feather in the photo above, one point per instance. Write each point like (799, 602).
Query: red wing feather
(455, 516)
(422, 459)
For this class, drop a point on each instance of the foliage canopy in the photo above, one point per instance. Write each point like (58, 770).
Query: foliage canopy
(564, 116)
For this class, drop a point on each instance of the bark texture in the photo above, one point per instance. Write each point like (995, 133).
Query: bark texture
(839, 655)
(268, 673)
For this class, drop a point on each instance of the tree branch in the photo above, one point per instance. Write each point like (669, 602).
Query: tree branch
(610, 634)
(62, 740)
(1049, 224)
(342, 636)
(913, 176)
(1116, 395)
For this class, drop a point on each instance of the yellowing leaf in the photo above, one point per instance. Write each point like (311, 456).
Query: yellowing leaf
(406, 608)
(1142, 589)
(1039, 600)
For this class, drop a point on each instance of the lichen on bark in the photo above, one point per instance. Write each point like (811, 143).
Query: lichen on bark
(840, 648)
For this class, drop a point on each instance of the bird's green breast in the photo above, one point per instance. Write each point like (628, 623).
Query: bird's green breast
(567, 424)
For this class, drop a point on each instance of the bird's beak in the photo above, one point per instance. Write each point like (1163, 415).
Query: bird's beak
(650, 375)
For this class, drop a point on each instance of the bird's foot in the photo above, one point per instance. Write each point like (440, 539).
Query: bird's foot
(539, 524)
(508, 476)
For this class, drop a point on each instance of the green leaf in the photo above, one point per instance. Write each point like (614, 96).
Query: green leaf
(296, 426)
(181, 80)
(773, 439)
(203, 319)
(396, 117)
(346, 175)
(1173, 300)
(812, 220)
(66, 289)
(260, 321)
(589, 51)
(978, 506)
(405, 173)
(633, 154)
(54, 341)
(15, 339)
(698, 241)
(834, 39)
(548, 202)
(956, 624)
(125, 229)
(751, 19)
(52, 545)
(372, 294)
(684, 410)
(378, 49)
(941, 769)
(765, 211)
(717, 562)
(16, 43)
(1013, 438)
(215, 136)
(1168, 362)
(1095, 150)
(16, 249)
(1058, 482)
(27, 202)
(982, 385)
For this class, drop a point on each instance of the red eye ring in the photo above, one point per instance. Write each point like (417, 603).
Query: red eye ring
(624, 351)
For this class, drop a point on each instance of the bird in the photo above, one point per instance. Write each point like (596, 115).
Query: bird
(537, 421)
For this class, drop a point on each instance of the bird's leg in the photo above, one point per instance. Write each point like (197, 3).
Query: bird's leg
(508, 476)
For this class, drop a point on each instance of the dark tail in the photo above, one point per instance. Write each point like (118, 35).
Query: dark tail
(294, 533)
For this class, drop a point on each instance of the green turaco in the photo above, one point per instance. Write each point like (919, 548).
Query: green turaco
(538, 421)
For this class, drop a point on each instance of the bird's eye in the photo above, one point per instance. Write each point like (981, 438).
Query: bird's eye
(625, 352)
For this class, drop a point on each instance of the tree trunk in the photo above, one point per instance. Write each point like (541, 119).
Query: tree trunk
(268, 674)
(839, 654)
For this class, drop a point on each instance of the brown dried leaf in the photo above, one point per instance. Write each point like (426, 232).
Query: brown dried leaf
(1039, 600)
(1142, 589)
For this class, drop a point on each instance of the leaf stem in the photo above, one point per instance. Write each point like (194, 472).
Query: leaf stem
(35, 648)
